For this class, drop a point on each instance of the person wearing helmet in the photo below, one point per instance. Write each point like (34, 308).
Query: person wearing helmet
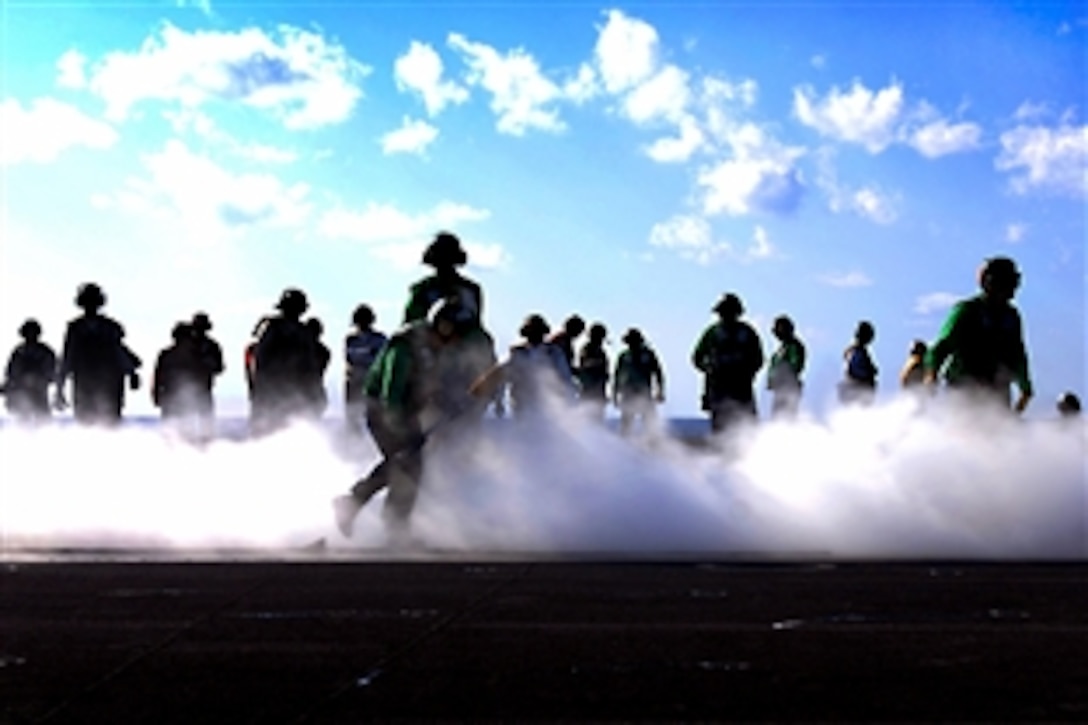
(729, 355)
(534, 374)
(361, 348)
(593, 371)
(980, 350)
(284, 360)
(177, 381)
(400, 388)
(316, 394)
(785, 368)
(1068, 406)
(566, 336)
(445, 255)
(912, 376)
(860, 372)
(95, 357)
(639, 383)
(31, 369)
(210, 364)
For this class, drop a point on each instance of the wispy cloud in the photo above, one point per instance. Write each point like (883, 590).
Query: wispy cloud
(1015, 233)
(47, 128)
(420, 71)
(857, 115)
(847, 279)
(690, 237)
(927, 304)
(298, 77)
(1049, 160)
(413, 137)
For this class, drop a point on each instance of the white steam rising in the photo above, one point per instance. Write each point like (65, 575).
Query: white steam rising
(882, 483)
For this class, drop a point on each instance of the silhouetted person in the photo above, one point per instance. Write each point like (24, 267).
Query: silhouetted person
(361, 348)
(638, 383)
(594, 371)
(534, 374)
(913, 374)
(445, 255)
(210, 355)
(319, 397)
(177, 383)
(31, 369)
(284, 360)
(95, 356)
(980, 350)
(729, 355)
(785, 368)
(399, 386)
(859, 375)
(565, 337)
(1068, 406)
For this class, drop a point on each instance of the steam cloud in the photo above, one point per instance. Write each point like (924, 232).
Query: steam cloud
(884, 482)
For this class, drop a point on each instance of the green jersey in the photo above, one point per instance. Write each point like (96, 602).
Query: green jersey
(980, 340)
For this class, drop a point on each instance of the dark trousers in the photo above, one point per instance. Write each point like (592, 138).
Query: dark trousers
(401, 469)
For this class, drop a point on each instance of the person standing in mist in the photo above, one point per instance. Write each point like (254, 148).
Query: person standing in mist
(980, 350)
(31, 369)
(210, 358)
(565, 337)
(178, 379)
(361, 347)
(594, 372)
(729, 355)
(858, 386)
(445, 255)
(284, 358)
(638, 384)
(95, 357)
(785, 368)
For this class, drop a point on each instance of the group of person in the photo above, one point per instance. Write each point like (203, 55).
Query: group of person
(439, 371)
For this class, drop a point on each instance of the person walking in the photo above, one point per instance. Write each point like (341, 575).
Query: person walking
(594, 372)
(177, 381)
(638, 383)
(445, 254)
(284, 358)
(729, 355)
(209, 355)
(534, 374)
(31, 369)
(399, 388)
(858, 386)
(785, 368)
(361, 348)
(980, 350)
(95, 357)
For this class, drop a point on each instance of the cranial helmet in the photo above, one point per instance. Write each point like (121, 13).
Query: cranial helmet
(293, 300)
(633, 336)
(729, 305)
(363, 316)
(449, 311)
(999, 275)
(90, 296)
(201, 322)
(445, 250)
(30, 330)
(534, 324)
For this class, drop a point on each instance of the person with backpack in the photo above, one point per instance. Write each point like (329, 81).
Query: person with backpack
(980, 350)
(361, 347)
(785, 368)
(400, 388)
(285, 357)
(31, 369)
(729, 354)
(858, 386)
(95, 357)
(638, 383)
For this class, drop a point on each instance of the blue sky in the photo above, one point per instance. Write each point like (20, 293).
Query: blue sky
(833, 162)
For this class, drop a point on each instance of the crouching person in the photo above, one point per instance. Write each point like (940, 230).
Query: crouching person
(399, 387)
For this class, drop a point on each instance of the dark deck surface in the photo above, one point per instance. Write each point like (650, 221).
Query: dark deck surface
(319, 641)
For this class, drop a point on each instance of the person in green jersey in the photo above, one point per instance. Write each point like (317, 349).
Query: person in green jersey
(785, 368)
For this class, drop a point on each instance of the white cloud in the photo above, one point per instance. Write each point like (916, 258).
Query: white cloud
(934, 302)
(45, 129)
(204, 6)
(190, 120)
(413, 137)
(208, 199)
(679, 148)
(858, 115)
(761, 247)
(1014, 233)
(760, 175)
(818, 61)
(71, 71)
(847, 279)
(300, 78)
(868, 202)
(874, 205)
(520, 93)
(1045, 159)
(420, 70)
(941, 138)
(626, 52)
(583, 86)
(690, 237)
(662, 97)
